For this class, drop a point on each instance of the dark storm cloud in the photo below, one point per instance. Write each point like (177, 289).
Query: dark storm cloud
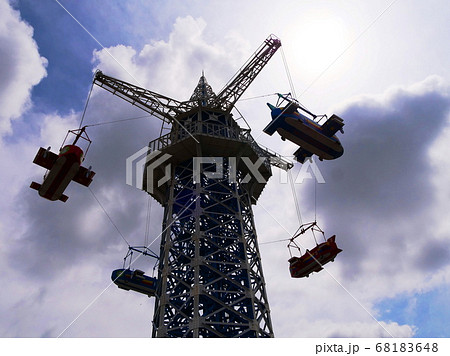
(383, 179)
(433, 255)
(385, 168)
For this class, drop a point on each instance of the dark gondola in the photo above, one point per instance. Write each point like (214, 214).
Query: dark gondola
(134, 280)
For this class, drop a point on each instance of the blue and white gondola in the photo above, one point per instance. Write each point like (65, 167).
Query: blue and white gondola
(306, 133)
(134, 280)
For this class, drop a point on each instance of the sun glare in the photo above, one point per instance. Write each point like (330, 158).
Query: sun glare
(319, 40)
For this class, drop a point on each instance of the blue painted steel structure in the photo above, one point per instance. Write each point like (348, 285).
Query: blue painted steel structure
(210, 277)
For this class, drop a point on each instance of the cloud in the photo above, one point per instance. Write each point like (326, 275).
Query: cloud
(22, 66)
(356, 329)
(50, 232)
(62, 242)
(384, 199)
(382, 187)
(377, 199)
(386, 153)
(173, 67)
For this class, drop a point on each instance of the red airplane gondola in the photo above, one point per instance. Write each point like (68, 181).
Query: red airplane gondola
(312, 260)
(62, 169)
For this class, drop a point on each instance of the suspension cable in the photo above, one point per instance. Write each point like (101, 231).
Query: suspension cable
(297, 207)
(86, 104)
(168, 226)
(117, 121)
(315, 200)
(286, 67)
(109, 217)
(147, 223)
(241, 116)
(257, 97)
(274, 241)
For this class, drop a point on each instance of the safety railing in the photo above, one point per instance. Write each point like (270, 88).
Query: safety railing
(198, 128)
(221, 131)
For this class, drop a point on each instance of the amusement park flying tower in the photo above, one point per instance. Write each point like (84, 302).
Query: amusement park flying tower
(210, 278)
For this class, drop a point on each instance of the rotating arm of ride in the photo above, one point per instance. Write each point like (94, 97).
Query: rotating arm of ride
(166, 108)
(161, 106)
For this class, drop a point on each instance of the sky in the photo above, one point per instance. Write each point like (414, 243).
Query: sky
(380, 65)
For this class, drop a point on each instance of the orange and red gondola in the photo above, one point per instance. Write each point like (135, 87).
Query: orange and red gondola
(312, 260)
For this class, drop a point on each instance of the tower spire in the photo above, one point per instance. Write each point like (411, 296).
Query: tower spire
(203, 93)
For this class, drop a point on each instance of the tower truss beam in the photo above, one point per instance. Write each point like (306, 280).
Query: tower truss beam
(210, 270)
(231, 93)
(161, 106)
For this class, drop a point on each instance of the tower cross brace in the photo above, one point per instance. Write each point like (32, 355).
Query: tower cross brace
(210, 276)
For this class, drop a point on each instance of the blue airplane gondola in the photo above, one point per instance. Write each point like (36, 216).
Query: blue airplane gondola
(134, 280)
(312, 137)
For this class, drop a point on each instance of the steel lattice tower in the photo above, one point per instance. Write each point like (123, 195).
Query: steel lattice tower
(206, 173)
(211, 279)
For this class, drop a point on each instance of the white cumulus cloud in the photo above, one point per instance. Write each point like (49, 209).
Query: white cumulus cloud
(22, 66)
